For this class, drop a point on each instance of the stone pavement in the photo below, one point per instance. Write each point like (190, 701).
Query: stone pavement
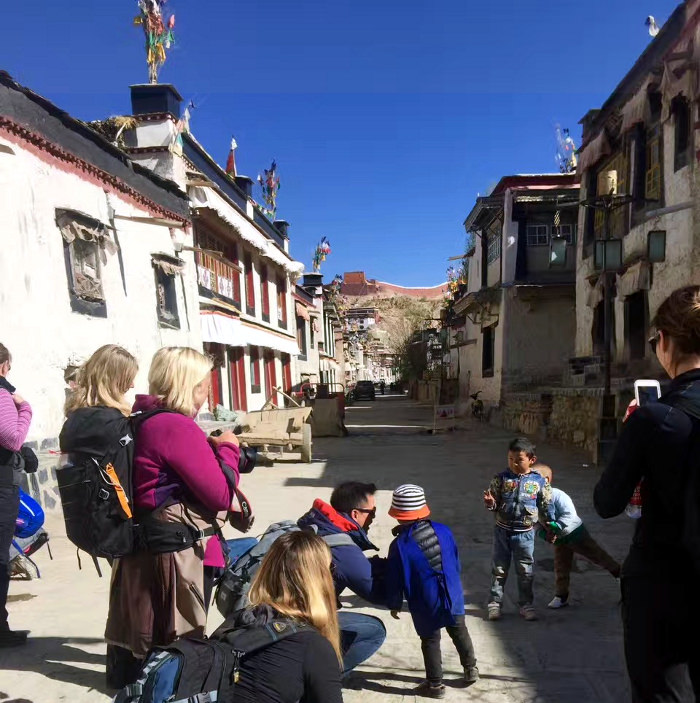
(570, 655)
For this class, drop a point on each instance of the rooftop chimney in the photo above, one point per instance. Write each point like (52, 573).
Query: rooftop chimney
(245, 184)
(282, 228)
(156, 98)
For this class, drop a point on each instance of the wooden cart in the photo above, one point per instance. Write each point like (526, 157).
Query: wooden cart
(280, 429)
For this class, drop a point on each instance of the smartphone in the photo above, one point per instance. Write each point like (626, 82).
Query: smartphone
(646, 391)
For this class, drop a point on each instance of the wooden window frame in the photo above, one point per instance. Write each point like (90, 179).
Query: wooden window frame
(80, 303)
(287, 373)
(682, 119)
(653, 166)
(538, 238)
(255, 386)
(487, 371)
(493, 249)
(166, 302)
(282, 319)
(301, 338)
(249, 285)
(264, 293)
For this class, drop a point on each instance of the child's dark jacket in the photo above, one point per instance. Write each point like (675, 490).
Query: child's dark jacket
(423, 565)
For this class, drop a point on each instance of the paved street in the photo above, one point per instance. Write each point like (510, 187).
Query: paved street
(570, 655)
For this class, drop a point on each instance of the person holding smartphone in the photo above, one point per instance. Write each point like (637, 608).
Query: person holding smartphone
(659, 447)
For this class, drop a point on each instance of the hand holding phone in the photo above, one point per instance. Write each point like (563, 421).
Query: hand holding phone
(646, 391)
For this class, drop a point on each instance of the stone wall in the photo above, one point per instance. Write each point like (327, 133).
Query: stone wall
(565, 416)
(574, 418)
(527, 413)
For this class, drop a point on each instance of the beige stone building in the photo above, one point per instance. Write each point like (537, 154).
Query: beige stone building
(643, 141)
(513, 326)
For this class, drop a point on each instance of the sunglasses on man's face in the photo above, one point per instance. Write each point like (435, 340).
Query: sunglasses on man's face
(653, 342)
(371, 513)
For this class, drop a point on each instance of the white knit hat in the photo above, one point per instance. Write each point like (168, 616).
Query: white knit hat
(408, 503)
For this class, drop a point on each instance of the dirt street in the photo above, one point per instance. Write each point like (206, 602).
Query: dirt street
(574, 654)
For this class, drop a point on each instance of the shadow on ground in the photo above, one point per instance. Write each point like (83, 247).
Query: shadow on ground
(573, 654)
(61, 659)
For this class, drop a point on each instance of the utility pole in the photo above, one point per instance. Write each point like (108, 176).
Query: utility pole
(608, 260)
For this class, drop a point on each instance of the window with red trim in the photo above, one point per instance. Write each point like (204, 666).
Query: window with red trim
(287, 373)
(236, 276)
(264, 293)
(270, 374)
(282, 302)
(254, 370)
(249, 289)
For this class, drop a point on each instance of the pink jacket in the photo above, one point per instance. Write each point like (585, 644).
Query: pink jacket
(174, 462)
(14, 422)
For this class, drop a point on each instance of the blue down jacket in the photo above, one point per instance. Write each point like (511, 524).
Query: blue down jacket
(423, 565)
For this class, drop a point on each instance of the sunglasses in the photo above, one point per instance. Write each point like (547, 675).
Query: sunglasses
(653, 342)
(372, 513)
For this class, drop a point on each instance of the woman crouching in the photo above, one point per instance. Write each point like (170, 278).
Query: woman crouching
(294, 581)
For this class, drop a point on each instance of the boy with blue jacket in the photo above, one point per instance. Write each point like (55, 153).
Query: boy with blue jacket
(569, 536)
(517, 496)
(423, 564)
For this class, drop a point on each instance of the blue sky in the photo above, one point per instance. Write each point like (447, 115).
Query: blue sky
(386, 118)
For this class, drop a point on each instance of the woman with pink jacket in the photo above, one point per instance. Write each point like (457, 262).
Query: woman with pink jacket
(183, 479)
(15, 418)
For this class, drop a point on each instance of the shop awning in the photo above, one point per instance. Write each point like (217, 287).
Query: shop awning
(224, 329)
(302, 311)
(221, 329)
(258, 337)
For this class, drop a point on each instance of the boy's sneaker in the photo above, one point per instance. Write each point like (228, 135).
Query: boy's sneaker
(471, 675)
(428, 690)
(558, 602)
(528, 612)
(494, 611)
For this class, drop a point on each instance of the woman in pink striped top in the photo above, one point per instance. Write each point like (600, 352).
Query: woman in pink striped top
(15, 418)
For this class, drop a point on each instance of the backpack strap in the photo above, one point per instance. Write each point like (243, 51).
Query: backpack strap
(338, 539)
(253, 639)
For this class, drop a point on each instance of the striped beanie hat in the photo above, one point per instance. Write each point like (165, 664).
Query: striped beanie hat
(408, 503)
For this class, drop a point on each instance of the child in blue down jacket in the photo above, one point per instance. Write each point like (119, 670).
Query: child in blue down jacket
(423, 564)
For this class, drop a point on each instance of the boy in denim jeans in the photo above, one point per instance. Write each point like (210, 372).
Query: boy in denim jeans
(517, 496)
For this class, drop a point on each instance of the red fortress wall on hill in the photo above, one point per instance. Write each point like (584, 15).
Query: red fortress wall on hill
(356, 284)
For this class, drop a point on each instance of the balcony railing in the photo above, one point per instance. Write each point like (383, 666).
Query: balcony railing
(217, 277)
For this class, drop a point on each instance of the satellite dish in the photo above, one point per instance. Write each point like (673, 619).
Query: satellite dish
(652, 26)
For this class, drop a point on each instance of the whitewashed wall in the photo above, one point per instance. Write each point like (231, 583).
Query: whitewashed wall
(37, 324)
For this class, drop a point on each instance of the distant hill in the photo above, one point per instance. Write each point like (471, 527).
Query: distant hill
(402, 310)
(356, 285)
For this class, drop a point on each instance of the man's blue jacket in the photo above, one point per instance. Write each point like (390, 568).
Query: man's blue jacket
(351, 568)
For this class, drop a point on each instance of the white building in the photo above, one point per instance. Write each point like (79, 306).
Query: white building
(92, 253)
(245, 272)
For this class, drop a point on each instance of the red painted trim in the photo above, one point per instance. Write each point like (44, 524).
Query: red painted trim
(54, 155)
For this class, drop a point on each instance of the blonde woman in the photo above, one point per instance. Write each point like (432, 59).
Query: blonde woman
(294, 581)
(96, 413)
(180, 479)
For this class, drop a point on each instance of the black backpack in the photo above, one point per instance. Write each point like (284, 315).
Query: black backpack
(96, 489)
(203, 671)
(95, 483)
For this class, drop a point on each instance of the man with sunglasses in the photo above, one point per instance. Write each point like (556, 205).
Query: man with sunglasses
(351, 511)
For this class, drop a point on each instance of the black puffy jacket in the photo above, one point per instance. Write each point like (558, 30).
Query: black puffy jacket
(425, 537)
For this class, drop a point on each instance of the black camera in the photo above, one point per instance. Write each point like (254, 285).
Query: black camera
(248, 456)
(247, 459)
